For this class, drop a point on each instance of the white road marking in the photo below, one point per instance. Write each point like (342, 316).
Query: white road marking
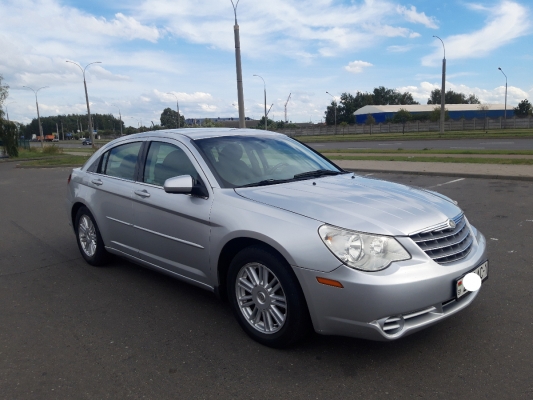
(493, 239)
(447, 183)
(498, 143)
(369, 174)
(359, 148)
(472, 148)
(387, 144)
(319, 145)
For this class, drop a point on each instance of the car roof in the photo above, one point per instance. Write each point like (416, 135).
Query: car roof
(203, 133)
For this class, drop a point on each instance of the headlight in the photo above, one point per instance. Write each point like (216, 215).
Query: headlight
(362, 251)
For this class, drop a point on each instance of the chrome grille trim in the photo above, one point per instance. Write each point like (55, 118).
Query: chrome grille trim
(443, 244)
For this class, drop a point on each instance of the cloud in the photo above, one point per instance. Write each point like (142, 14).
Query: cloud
(312, 27)
(356, 67)
(399, 49)
(506, 22)
(411, 15)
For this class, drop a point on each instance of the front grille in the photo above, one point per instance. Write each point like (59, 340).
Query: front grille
(445, 245)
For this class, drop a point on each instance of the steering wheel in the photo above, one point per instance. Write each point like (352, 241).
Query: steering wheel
(279, 166)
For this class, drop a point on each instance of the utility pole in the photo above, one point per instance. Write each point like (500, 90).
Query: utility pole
(265, 93)
(90, 127)
(505, 112)
(240, 94)
(287, 102)
(335, 104)
(38, 116)
(443, 89)
(120, 117)
(177, 109)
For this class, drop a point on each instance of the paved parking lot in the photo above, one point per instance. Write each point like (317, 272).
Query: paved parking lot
(69, 330)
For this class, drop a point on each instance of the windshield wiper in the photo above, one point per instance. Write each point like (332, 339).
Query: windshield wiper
(266, 182)
(317, 173)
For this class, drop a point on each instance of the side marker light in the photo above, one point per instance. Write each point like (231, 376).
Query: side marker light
(329, 282)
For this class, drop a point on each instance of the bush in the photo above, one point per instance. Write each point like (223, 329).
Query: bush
(52, 150)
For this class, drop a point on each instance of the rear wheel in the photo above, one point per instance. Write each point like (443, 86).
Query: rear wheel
(89, 239)
(266, 298)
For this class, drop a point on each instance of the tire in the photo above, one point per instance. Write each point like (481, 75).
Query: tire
(89, 238)
(276, 318)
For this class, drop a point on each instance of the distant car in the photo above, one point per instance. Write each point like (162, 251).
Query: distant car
(289, 238)
(87, 142)
(55, 140)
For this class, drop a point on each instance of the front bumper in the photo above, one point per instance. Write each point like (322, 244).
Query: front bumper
(386, 305)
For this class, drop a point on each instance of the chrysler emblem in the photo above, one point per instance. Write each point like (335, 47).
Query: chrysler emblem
(451, 224)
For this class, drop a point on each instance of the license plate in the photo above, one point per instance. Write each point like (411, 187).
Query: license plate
(483, 272)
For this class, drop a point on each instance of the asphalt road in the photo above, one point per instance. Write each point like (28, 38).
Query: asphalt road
(458, 144)
(69, 330)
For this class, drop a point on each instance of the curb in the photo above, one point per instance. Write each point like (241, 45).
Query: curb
(46, 166)
(459, 175)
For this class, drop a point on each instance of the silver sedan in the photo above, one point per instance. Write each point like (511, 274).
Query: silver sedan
(291, 240)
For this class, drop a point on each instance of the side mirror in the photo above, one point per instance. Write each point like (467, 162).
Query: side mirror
(179, 184)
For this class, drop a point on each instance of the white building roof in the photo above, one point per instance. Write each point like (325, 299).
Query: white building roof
(425, 108)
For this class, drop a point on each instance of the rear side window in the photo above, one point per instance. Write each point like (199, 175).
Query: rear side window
(121, 161)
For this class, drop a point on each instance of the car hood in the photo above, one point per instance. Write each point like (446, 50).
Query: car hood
(359, 203)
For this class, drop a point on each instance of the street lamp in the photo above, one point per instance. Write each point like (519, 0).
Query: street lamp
(443, 88)
(265, 92)
(177, 108)
(505, 112)
(120, 117)
(38, 116)
(7, 113)
(91, 132)
(138, 122)
(335, 104)
(240, 94)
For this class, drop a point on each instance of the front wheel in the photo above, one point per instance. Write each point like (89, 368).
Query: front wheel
(89, 239)
(266, 298)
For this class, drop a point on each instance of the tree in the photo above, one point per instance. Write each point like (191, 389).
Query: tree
(271, 125)
(524, 109)
(370, 120)
(4, 92)
(169, 119)
(452, 97)
(8, 137)
(402, 116)
(434, 115)
(484, 108)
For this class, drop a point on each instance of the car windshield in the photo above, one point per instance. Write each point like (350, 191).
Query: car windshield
(239, 161)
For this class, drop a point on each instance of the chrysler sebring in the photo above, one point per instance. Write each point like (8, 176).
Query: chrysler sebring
(291, 240)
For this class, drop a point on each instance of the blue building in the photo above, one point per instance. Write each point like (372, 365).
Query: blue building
(456, 111)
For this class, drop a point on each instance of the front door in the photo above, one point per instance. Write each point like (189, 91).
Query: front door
(173, 229)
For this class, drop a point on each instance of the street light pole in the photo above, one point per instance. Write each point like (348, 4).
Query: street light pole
(177, 108)
(38, 116)
(7, 112)
(443, 89)
(91, 132)
(120, 117)
(505, 112)
(240, 94)
(265, 93)
(335, 104)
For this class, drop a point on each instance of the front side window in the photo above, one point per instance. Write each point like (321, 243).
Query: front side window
(247, 161)
(166, 161)
(120, 161)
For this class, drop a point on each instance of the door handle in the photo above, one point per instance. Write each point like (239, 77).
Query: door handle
(142, 193)
(97, 182)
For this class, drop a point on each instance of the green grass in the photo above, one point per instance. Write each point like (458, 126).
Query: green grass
(430, 151)
(478, 134)
(63, 160)
(477, 160)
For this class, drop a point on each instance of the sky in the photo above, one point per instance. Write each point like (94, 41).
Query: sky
(150, 48)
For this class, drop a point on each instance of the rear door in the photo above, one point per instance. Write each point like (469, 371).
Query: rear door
(173, 229)
(111, 198)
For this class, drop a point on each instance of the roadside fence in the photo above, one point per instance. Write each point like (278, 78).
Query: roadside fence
(413, 126)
